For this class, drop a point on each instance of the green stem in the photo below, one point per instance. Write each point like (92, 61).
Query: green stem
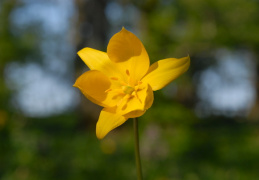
(137, 155)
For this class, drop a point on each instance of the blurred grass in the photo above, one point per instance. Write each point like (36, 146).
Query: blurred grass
(174, 145)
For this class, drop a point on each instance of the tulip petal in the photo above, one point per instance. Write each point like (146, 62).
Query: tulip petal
(149, 98)
(134, 114)
(164, 71)
(129, 53)
(108, 120)
(98, 60)
(93, 84)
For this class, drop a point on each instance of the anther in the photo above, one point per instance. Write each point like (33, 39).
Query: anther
(138, 98)
(127, 72)
(114, 78)
(108, 90)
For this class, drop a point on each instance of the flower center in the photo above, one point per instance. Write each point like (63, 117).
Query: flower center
(128, 89)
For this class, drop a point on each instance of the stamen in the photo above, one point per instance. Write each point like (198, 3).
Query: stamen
(138, 98)
(127, 72)
(108, 90)
(114, 78)
(124, 100)
(117, 91)
(137, 87)
(123, 83)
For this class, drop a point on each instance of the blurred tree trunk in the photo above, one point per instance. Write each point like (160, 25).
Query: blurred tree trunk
(91, 31)
(254, 114)
(7, 47)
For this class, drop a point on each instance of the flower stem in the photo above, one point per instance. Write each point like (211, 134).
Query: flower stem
(137, 155)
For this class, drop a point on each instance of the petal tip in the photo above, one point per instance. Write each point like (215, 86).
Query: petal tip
(99, 136)
(188, 61)
(108, 120)
(124, 30)
(75, 84)
(189, 58)
(81, 50)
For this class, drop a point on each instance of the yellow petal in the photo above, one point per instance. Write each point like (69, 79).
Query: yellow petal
(129, 53)
(108, 120)
(134, 106)
(164, 71)
(134, 114)
(93, 84)
(98, 60)
(148, 104)
(149, 98)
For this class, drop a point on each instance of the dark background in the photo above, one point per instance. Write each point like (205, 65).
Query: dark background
(203, 126)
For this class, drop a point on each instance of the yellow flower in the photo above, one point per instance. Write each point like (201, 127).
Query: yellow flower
(122, 80)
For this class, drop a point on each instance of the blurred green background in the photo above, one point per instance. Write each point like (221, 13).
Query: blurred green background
(203, 126)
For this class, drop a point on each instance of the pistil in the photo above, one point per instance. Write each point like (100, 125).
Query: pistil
(128, 89)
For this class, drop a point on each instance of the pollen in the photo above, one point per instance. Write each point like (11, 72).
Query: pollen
(108, 90)
(127, 72)
(114, 78)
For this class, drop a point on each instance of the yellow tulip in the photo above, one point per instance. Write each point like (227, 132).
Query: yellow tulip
(122, 80)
